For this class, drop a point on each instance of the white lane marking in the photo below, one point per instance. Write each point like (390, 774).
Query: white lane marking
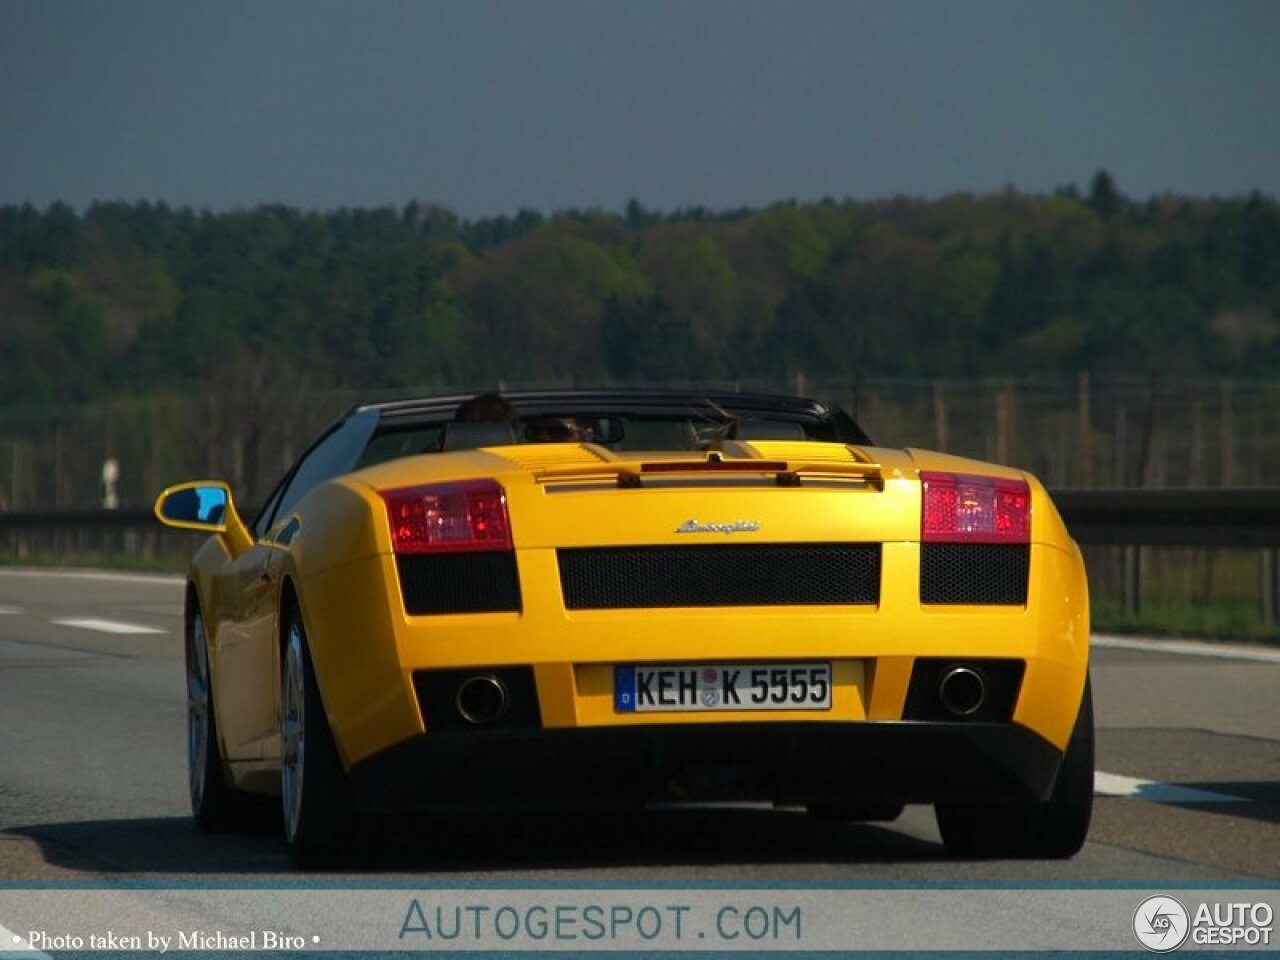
(1190, 648)
(101, 575)
(105, 626)
(10, 942)
(9, 611)
(1152, 791)
(1114, 785)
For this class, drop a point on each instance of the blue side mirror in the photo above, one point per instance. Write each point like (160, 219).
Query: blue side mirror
(195, 506)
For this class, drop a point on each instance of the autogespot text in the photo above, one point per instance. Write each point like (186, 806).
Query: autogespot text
(427, 922)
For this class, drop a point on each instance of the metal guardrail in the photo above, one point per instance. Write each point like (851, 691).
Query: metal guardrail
(1246, 517)
(1222, 517)
(76, 520)
(1243, 517)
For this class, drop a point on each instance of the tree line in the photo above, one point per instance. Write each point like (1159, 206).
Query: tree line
(136, 299)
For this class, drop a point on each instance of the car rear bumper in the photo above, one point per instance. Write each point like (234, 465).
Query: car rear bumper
(369, 655)
(783, 763)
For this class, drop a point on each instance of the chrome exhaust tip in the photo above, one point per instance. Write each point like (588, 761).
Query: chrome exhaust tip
(481, 699)
(962, 691)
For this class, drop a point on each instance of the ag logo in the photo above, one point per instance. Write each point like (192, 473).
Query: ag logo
(1161, 924)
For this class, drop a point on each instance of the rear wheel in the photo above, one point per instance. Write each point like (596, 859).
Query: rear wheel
(213, 803)
(1054, 829)
(317, 806)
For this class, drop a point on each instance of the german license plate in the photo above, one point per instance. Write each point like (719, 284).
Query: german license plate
(722, 686)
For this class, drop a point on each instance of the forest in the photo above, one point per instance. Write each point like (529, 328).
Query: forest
(1097, 340)
(136, 300)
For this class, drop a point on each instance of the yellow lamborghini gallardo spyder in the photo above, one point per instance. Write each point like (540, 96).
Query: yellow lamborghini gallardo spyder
(638, 596)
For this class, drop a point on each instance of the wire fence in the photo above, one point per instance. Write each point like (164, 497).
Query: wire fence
(1081, 433)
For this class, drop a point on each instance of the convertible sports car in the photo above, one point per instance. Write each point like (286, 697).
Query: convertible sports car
(636, 597)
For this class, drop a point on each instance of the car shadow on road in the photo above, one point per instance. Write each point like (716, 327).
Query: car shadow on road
(650, 838)
(1248, 799)
(495, 843)
(156, 845)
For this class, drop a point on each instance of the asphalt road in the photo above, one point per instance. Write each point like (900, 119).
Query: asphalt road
(92, 776)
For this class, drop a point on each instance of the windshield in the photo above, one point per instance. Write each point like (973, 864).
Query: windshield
(643, 423)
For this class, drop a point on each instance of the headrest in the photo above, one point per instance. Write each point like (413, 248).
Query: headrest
(468, 435)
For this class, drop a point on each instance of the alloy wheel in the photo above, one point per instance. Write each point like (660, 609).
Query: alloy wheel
(293, 730)
(197, 711)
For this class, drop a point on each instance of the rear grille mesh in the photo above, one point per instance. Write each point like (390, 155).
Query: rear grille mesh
(484, 582)
(994, 573)
(607, 578)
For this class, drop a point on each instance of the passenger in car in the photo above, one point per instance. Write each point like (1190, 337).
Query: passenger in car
(486, 420)
(488, 408)
(556, 430)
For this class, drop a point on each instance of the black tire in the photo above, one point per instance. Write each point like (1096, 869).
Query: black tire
(214, 805)
(1052, 830)
(318, 809)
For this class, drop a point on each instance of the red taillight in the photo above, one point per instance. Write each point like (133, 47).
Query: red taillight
(449, 517)
(966, 509)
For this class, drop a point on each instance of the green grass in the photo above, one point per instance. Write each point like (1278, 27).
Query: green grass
(1221, 619)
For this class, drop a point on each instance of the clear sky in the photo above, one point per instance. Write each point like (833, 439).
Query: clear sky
(487, 107)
